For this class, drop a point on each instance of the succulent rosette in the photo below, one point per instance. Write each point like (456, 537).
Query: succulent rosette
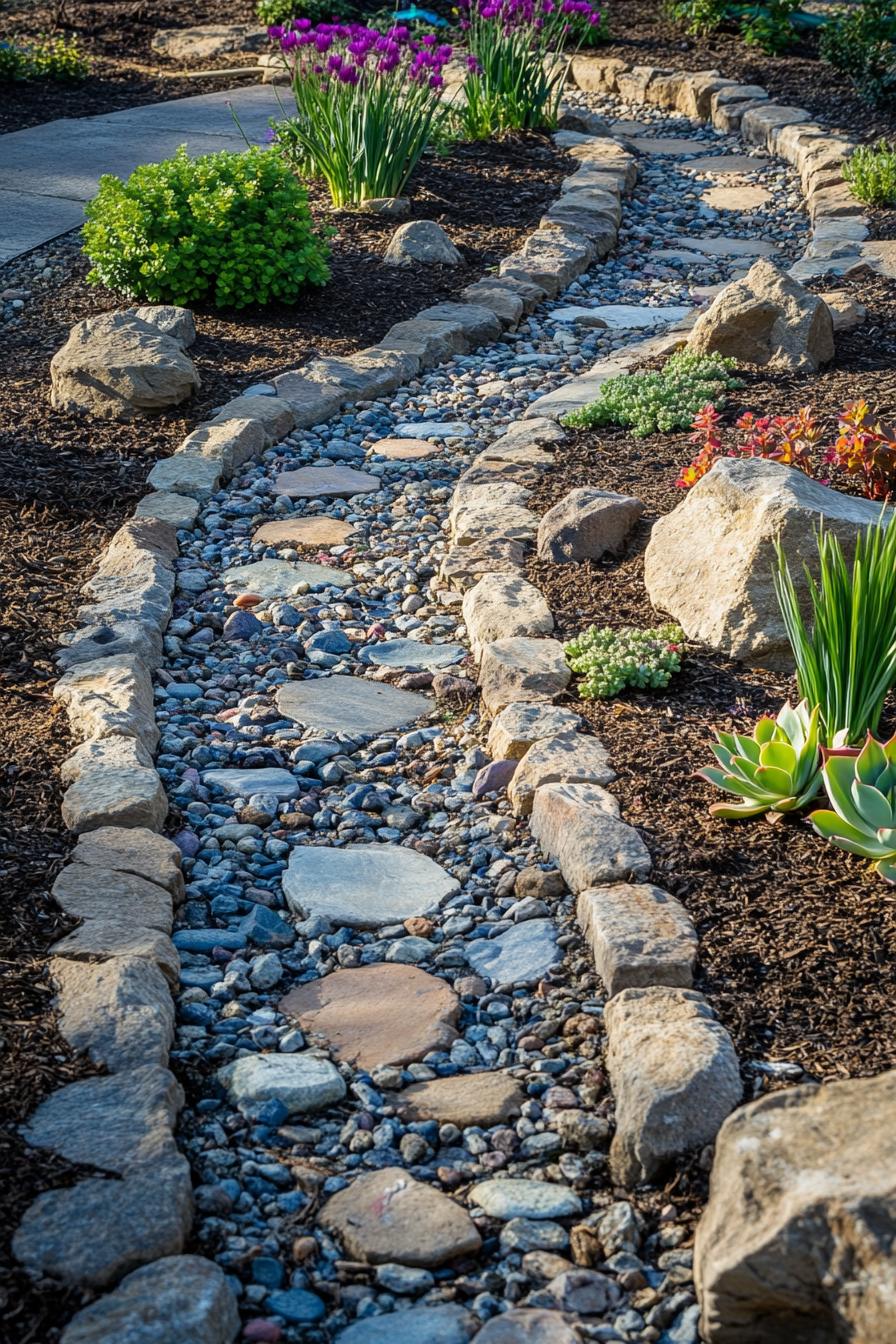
(861, 788)
(776, 770)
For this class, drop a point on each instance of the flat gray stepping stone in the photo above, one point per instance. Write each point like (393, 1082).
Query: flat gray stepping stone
(521, 956)
(244, 783)
(666, 144)
(278, 578)
(302, 1082)
(311, 532)
(433, 429)
(507, 1197)
(622, 316)
(724, 247)
(722, 164)
(445, 1324)
(413, 655)
(365, 886)
(351, 705)
(325, 483)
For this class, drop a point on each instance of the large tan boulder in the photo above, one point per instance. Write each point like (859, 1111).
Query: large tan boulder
(796, 1244)
(117, 366)
(766, 318)
(710, 561)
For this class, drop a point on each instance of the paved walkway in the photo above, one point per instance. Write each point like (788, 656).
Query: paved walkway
(47, 172)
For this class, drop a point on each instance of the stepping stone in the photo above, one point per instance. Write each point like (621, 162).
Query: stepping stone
(325, 483)
(445, 1324)
(725, 247)
(412, 655)
(351, 705)
(278, 578)
(623, 316)
(377, 1015)
(301, 1082)
(467, 1099)
(310, 532)
(630, 128)
(244, 783)
(521, 956)
(364, 886)
(507, 1197)
(722, 164)
(666, 144)
(386, 1217)
(748, 197)
(433, 429)
(402, 449)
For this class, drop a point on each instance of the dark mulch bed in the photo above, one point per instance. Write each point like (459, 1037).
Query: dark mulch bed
(65, 485)
(798, 941)
(643, 35)
(125, 71)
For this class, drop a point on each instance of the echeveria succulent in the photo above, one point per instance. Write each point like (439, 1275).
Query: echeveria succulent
(776, 770)
(861, 788)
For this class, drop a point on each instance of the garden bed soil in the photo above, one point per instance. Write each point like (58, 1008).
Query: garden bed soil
(67, 483)
(797, 940)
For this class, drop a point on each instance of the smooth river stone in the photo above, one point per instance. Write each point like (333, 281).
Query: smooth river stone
(310, 532)
(377, 1015)
(507, 1197)
(325, 483)
(622, 316)
(364, 886)
(747, 197)
(445, 1323)
(243, 783)
(278, 578)
(301, 1082)
(412, 655)
(405, 450)
(351, 705)
(521, 956)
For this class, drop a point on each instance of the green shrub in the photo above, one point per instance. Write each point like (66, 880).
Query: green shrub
(846, 656)
(57, 58)
(233, 229)
(871, 173)
(609, 660)
(768, 25)
(698, 17)
(859, 41)
(272, 12)
(664, 400)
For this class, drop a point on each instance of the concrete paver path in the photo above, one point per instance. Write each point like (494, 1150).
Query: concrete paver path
(47, 172)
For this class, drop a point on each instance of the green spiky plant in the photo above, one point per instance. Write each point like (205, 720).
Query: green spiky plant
(861, 788)
(777, 770)
(846, 654)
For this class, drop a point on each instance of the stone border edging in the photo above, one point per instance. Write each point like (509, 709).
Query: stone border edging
(117, 971)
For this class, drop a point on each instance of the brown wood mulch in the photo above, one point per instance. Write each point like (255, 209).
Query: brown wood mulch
(66, 484)
(798, 941)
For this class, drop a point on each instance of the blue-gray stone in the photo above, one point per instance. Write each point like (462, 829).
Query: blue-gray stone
(521, 956)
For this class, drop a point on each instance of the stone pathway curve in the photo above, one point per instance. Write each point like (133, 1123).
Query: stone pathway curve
(47, 172)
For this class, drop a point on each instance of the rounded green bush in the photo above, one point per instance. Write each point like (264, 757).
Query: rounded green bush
(228, 228)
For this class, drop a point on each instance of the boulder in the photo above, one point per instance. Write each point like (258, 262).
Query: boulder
(587, 524)
(766, 318)
(674, 1075)
(710, 561)
(208, 41)
(422, 242)
(170, 320)
(795, 1245)
(179, 1297)
(116, 366)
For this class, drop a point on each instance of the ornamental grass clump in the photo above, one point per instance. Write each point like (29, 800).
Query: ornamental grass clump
(516, 71)
(609, 660)
(664, 400)
(845, 653)
(861, 788)
(776, 770)
(367, 105)
(227, 228)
